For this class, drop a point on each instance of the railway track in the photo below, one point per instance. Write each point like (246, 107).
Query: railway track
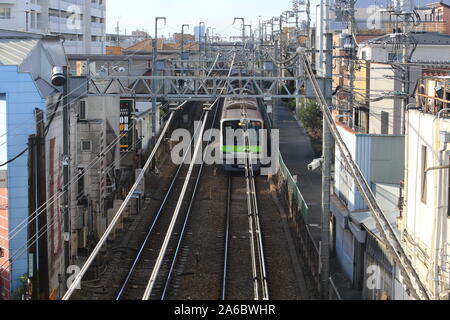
(146, 260)
(247, 262)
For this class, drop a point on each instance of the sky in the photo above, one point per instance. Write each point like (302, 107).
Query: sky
(219, 14)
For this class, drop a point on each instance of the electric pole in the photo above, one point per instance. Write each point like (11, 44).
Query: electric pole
(327, 69)
(155, 57)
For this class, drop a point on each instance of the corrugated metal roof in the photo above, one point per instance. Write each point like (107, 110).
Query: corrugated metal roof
(15, 51)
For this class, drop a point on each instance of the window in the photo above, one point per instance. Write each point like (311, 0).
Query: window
(80, 186)
(384, 122)
(440, 15)
(86, 146)
(2, 253)
(82, 112)
(5, 13)
(424, 175)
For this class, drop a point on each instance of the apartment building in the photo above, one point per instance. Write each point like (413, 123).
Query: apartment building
(80, 22)
(386, 100)
(25, 85)
(425, 224)
(358, 249)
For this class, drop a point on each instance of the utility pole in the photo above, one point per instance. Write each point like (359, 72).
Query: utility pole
(327, 154)
(252, 45)
(27, 14)
(308, 25)
(182, 47)
(38, 253)
(66, 161)
(201, 34)
(352, 60)
(276, 100)
(243, 28)
(155, 57)
(118, 34)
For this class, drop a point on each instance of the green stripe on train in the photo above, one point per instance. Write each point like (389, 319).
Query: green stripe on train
(241, 149)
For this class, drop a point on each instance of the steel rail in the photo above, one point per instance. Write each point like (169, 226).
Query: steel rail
(162, 253)
(188, 214)
(227, 237)
(114, 221)
(169, 233)
(262, 264)
(387, 232)
(89, 261)
(251, 213)
(155, 221)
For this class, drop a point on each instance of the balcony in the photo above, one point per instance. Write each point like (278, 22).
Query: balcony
(433, 94)
(434, 26)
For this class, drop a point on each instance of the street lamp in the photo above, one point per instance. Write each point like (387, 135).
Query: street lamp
(212, 34)
(182, 47)
(155, 56)
(201, 34)
(243, 28)
(251, 30)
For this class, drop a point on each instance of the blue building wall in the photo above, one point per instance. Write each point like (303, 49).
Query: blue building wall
(22, 98)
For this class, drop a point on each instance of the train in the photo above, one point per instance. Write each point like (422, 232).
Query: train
(239, 115)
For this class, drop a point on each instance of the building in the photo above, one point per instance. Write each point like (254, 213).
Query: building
(358, 248)
(25, 85)
(126, 40)
(435, 18)
(199, 33)
(118, 129)
(81, 24)
(187, 38)
(387, 98)
(361, 85)
(425, 223)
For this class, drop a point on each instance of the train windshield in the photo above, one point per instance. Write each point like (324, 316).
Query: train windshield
(233, 135)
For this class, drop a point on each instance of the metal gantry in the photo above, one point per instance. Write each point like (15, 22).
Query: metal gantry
(192, 87)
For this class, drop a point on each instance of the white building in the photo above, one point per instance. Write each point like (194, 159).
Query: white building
(425, 225)
(357, 245)
(386, 85)
(80, 22)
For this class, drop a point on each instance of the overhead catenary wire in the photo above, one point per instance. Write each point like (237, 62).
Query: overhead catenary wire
(135, 53)
(41, 232)
(394, 246)
(52, 115)
(114, 221)
(162, 253)
(26, 222)
(56, 196)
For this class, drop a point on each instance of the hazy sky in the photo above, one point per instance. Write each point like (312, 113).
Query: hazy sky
(219, 14)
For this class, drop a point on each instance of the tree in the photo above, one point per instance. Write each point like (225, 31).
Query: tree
(311, 116)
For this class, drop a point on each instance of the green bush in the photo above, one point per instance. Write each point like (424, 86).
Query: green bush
(310, 116)
(292, 104)
(19, 292)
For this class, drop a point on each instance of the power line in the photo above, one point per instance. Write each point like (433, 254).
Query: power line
(56, 196)
(41, 232)
(386, 230)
